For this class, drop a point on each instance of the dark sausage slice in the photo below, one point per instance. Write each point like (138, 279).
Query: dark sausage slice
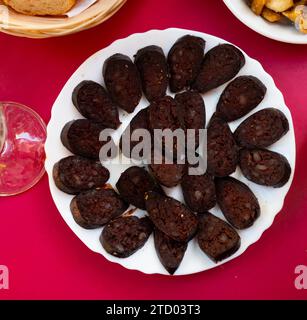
(134, 183)
(221, 64)
(152, 66)
(93, 102)
(265, 167)
(199, 192)
(169, 175)
(237, 202)
(123, 81)
(170, 252)
(124, 236)
(75, 174)
(171, 217)
(94, 208)
(164, 114)
(222, 151)
(240, 97)
(193, 111)
(184, 60)
(216, 238)
(262, 129)
(81, 137)
(139, 121)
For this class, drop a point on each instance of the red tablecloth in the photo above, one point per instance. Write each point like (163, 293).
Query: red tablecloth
(46, 260)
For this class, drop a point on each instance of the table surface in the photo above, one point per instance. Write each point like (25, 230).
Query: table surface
(47, 261)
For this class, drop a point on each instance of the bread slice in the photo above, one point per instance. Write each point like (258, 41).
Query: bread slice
(41, 7)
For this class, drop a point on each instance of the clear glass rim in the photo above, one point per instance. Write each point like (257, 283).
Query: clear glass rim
(3, 131)
(44, 126)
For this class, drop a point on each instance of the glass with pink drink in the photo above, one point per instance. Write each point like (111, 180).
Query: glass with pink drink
(22, 156)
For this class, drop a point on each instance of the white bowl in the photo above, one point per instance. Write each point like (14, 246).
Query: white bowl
(276, 31)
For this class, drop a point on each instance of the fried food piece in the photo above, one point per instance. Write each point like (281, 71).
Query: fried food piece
(257, 6)
(301, 24)
(279, 5)
(270, 15)
(295, 12)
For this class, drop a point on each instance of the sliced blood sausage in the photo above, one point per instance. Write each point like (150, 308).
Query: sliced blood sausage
(222, 151)
(124, 236)
(220, 64)
(199, 192)
(165, 114)
(169, 175)
(262, 129)
(152, 66)
(240, 97)
(93, 102)
(81, 137)
(134, 183)
(193, 111)
(170, 252)
(237, 202)
(265, 167)
(171, 217)
(94, 208)
(123, 81)
(75, 174)
(184, 60)
(216, 238)
(140, 121)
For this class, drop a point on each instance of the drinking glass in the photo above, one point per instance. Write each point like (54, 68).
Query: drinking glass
(22, 156)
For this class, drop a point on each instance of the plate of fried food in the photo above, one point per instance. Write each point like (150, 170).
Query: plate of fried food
(281, 20)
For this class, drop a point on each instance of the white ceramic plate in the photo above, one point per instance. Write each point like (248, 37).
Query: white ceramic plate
(146, 260)
(276, 31)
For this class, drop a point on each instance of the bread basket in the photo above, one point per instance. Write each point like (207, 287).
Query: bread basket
(21, 25)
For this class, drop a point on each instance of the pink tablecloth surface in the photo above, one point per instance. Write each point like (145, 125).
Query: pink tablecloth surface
(47, 261)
